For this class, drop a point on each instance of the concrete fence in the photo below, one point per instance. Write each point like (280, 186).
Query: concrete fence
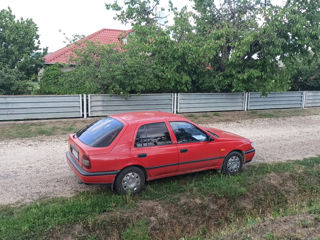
(102, 104)
(312, 99)
(40, 107)
(77, 106)
(275, 100)
(209, 102)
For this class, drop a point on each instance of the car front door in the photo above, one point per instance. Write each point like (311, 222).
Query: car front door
(154, 149)
(197, 150)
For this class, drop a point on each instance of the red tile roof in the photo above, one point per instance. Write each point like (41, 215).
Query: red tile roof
(104, 36)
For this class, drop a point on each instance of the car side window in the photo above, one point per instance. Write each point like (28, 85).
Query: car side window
(186, 132)
(153, 134)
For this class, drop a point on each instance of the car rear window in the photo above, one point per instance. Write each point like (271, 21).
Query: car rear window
(100, 133)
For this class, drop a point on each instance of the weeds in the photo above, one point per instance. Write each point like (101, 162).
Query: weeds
(137, 231)
(28, 130)
(202, 201)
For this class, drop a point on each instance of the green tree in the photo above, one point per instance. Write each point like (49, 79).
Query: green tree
(240, 45)
(136, 11)
(54, 81)
(307, 74)
(20, 53)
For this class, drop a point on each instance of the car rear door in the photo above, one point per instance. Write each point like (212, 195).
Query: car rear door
(154, 149)
(196, 148)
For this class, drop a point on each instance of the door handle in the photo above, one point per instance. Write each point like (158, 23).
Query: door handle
(142, 155)
(183, 150)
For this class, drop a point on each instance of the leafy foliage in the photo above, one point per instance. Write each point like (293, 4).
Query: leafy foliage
(307, 74)
(20, 53)
(240, 45)
(54, 81)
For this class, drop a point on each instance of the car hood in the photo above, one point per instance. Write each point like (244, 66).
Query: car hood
(226, 135)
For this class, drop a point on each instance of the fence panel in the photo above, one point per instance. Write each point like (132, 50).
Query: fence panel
(40, 107)
(104, 104)
(312, 99)
(206, 102)
(275, 100)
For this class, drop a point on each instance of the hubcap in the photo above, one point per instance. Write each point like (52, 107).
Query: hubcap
(131, 182)
(234, 163)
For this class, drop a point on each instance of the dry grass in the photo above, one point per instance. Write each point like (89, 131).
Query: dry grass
(34, 128)
(204, 205)
(213, 117)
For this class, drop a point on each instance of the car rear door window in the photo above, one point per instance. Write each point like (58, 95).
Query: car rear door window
(186, 132)
(153, 134)
(100, 133)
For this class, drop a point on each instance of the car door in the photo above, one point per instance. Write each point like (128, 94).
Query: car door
(197, 150)
(154, 149)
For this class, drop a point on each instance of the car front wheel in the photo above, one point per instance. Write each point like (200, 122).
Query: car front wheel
(130, 180)
(232, 163)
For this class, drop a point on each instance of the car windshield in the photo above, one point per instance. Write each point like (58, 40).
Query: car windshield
(100, 133)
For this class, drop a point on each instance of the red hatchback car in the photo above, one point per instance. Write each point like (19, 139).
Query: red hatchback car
(127, 149)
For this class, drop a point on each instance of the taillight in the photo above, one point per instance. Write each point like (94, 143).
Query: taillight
(86, 161)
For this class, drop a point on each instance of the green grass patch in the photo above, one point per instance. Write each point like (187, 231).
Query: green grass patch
(32, 221)
(265, 186)
(28, 130)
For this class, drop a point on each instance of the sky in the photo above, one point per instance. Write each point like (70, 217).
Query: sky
(54, 17)
(69, 16)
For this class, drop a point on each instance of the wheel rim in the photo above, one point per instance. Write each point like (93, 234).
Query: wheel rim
(233, 164)
(131, 182)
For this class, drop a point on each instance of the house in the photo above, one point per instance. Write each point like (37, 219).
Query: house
(103, 36)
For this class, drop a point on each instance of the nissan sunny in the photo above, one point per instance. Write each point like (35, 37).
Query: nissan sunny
(128, 149)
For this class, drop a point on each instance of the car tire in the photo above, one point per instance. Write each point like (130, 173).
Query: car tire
(130, 180)
(232, 163)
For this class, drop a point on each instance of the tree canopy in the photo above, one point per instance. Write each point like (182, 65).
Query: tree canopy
(20, 53)
(240, 45)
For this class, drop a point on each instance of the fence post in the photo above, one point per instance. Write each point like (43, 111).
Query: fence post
(245, 102)
(89, 105)
(248, 101)
(84, 106)
(80, 96)
(174, 103)
(178, 99)
(304, 98)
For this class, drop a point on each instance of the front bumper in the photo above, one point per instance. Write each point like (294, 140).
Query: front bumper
(248, 155)
(90, 177)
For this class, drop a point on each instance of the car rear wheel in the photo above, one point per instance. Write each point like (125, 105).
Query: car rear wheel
(232, 163)
(130, 180)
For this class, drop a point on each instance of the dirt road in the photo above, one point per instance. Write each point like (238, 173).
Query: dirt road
(36, 168)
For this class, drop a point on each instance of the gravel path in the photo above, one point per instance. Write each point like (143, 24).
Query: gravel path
(36, 168)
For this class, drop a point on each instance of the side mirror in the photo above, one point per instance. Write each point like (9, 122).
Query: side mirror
(210, 139)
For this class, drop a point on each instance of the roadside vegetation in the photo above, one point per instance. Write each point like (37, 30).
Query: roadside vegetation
(28, 129)
(233, 46)
(204, 205)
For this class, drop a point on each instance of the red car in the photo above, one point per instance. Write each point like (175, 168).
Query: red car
(127, 149)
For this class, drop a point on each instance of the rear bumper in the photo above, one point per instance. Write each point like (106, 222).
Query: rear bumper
(90, 177)
(249, 155)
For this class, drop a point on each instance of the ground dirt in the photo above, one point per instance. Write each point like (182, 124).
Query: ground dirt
(35, 168)
(304, 226)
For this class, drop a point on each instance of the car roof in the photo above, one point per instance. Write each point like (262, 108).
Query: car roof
(133, 117)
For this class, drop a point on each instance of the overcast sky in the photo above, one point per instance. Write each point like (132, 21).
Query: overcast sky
(69, 16)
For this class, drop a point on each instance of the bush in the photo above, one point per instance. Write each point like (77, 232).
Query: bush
(54, 81)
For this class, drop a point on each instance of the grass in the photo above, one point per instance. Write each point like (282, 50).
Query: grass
(214, 200)
(29, 129)
(212, 117)
(12, 130)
